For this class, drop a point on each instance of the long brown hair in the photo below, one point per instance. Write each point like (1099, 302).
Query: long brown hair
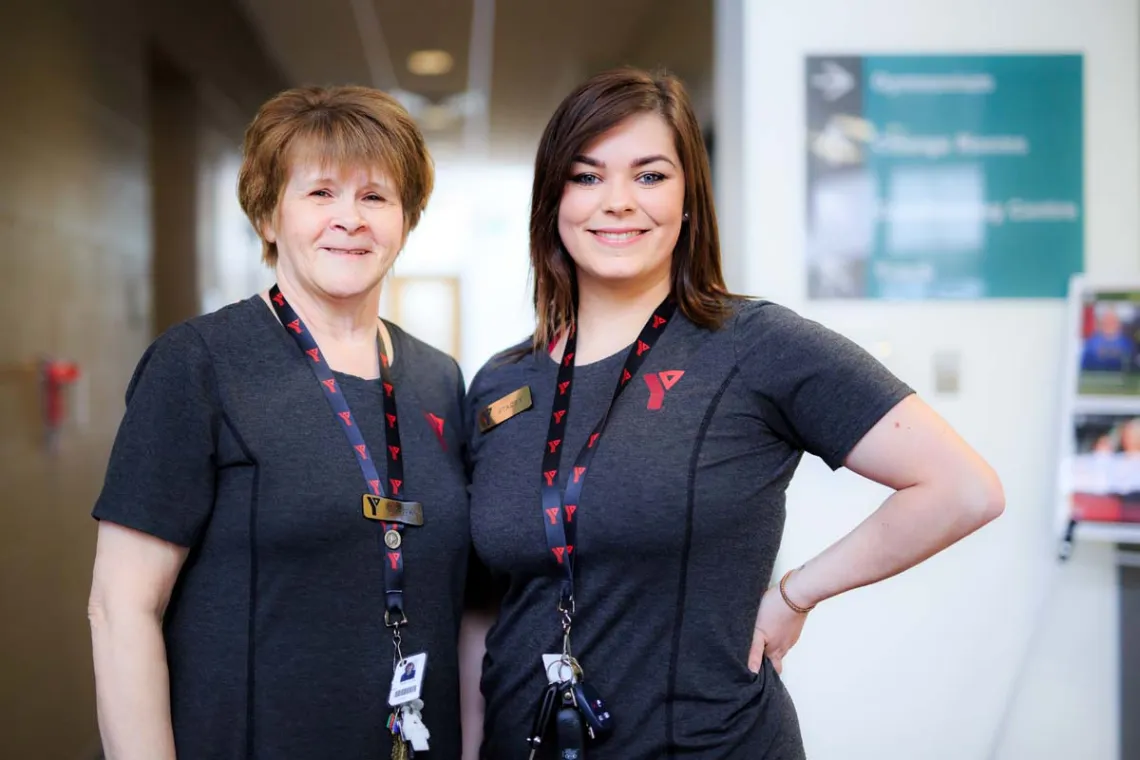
(594, 108)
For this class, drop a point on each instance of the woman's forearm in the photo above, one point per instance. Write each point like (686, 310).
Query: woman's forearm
(912, 525)
(132, 685)
(472, 646)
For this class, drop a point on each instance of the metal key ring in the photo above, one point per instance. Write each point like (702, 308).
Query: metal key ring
(575, 669)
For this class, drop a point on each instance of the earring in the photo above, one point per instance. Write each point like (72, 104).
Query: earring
(685, 216)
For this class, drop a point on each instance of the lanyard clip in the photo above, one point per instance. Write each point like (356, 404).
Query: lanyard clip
(566, 605)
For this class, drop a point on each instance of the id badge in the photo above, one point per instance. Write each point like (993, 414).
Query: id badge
(408, 680)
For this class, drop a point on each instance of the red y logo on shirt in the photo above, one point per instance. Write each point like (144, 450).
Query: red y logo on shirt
(659, 383)
(437, 423)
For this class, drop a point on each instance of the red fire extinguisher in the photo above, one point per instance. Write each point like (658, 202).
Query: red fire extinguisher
(55, 376)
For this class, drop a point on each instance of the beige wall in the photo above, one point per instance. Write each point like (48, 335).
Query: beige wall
(77, 232)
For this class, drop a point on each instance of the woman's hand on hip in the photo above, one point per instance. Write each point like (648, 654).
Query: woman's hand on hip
(777, 630)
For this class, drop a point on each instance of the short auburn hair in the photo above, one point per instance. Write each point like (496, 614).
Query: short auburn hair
(338, 126)
(592, 109)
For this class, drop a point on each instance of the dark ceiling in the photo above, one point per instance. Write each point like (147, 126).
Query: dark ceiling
(527, 54)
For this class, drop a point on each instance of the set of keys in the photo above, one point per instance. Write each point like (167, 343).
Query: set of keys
(409, 734)
(574, 706)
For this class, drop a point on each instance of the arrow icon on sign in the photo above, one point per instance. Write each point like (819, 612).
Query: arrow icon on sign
(834, 81)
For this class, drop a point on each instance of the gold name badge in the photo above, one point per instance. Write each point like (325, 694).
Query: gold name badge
(502, 410)
(390, 510)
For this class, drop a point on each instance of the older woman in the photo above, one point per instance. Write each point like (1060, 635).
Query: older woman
(283, 528)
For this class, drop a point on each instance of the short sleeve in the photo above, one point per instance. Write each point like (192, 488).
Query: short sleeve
(161, 474)
(827, 390)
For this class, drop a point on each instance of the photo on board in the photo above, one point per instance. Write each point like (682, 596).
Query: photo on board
(1105, 470)
(1110, 339)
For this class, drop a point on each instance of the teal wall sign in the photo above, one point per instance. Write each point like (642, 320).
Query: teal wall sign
(944, 177)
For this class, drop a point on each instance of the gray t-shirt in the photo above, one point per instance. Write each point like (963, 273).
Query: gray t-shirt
(679, 523)
(275, 633)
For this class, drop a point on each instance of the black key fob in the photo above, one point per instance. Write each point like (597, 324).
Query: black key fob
(594, 711)
(571, 738)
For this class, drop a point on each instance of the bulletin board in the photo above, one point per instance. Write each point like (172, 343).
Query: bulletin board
(1098, 473)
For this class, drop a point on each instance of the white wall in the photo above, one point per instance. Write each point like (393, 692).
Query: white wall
(924, 665)
(476, 228)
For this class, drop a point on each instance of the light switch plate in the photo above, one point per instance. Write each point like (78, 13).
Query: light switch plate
(947, 373)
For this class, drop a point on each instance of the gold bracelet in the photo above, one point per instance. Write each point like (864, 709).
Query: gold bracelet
(789, 602)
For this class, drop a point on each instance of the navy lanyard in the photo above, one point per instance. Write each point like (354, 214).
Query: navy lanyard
(393, 539)
(558, 508)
